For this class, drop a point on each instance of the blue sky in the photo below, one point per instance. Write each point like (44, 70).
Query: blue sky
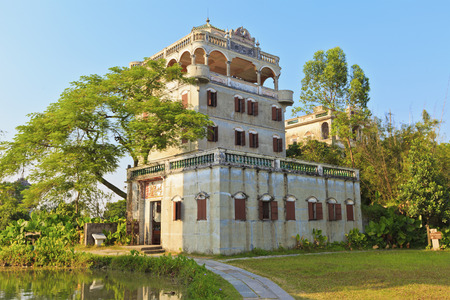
(403, 46)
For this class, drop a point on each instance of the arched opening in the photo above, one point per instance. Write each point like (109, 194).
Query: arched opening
(171, 62)
(185, 60)
(243, 69)
(217, 63)
(199, 56)
(267, 73)
(325, 131)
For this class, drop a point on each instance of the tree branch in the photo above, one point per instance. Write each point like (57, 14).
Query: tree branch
(112, 187)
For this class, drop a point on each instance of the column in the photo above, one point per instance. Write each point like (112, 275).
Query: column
(258, 77)
(206, 59)
(228, 68)
(275, 80)
(193, 59)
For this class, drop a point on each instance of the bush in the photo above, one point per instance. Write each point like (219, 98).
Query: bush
(356, 239)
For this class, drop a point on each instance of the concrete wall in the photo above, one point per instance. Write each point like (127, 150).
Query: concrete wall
(90, 228)
(221, 233)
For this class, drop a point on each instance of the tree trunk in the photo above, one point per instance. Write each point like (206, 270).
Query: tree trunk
(112, 187)
(428, 233)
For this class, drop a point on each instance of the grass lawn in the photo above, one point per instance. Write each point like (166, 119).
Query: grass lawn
(394, 274)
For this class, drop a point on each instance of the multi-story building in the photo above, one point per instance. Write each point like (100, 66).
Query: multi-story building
(235, 190)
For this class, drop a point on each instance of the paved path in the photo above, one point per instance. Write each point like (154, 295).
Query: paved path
(249, 285)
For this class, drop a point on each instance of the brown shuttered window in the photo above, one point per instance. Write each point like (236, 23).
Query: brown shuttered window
(338, 212)
(319, 213)
(280, 145)
(177, 210)
(279, 115)
(261, 209)
(184, 100)
(239, 138)
(253, 140)
(242, 105)
(239, 209)
(213, 133)
(277, 145)
(212, 98)
(311, 212)
(331, 216)
(250, 107)
(239, 105)
(274, 113)
(350, 212)
(255, 108)
(201, 209)
(290, 210)
(274, 210)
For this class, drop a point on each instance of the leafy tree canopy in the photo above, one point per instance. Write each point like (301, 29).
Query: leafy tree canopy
(116, 209)
(69, 148)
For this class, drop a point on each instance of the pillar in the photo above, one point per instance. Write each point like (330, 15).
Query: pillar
(228, 68)
(258, 77)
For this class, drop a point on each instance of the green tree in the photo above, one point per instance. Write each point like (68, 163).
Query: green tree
(71, 146)
(114, 209)
(329, 83)
(10, 202)
(316, 151)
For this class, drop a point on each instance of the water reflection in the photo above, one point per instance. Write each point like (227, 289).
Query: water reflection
(85, 284)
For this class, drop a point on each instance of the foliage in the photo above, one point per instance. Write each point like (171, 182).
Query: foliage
(118, 209)
(395, 231)
(319, 241)
(316, 151)
(71, 146)
(328, 83)
(445, 241)
(356, 239)
(374, 212)
(10, 200)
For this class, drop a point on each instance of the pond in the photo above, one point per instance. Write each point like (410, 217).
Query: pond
(85, 284)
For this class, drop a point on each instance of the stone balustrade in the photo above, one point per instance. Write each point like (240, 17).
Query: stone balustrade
(220, 156)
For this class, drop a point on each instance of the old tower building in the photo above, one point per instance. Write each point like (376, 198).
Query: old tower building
(235, 190)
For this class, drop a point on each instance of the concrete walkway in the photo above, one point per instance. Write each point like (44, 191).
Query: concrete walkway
(249, 285)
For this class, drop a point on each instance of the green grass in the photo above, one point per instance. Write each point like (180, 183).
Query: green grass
(395, 274)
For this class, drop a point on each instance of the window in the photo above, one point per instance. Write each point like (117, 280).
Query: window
(290, 208)
(184, 99)
(239, 137)
(277, 144)
(212, 98)
(239, 104)
(276, 114)
(239, 206)
(213, 133)
(325, 130)
(314, 209)
(334, 210)
(268, 209)
(349, 208)
(252, 107)
(201, 206)
(176, 208)
(253, 139)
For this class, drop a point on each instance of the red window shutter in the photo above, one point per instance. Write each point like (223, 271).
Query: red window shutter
(250, 140)
(319, 213)
(243, 138)
(209, 98)
(279, 116)
(274, 210)
(350, 212)
(239, 209)
(242, 105)
(184, 100)
(257, 142)
(275, 144)
(175, 211)
(236, 137)
(337, 207)
(201, 209)
(214, 100)
(274, 113)
(290, 210)
(216, 133)
(178, 210)
(311, 210)
(261, 209)
(237, 104)
(210, 134)
(250, 107)
(330, 211)
(255, 108)
(280, 145)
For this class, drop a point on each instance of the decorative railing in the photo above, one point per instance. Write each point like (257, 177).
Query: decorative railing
(292, 122)
(335, 172)
(322, 115)
(217, 41)
(299, 167)
(148, 170)
(269, 58)
(158, 56)
(248, 160)
(183, 43)
(199, 36)
(192, 161)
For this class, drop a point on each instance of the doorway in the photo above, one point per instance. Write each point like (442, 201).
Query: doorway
(156, 222)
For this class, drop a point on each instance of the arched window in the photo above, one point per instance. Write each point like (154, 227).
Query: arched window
(334, 210)
(239, 104)
(211, 96)
(277, 113)
(201, 205)
(253, 138)
(277, 143)
(268, 209)
(177, 207)
(314, 209)
(213, 133)
(290, 208)
(239, 137)
(325, 131)
(239, 206)
(350, 209)
(252, 107)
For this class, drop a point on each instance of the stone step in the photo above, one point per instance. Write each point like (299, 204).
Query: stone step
(151, 247)
(153, 251)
